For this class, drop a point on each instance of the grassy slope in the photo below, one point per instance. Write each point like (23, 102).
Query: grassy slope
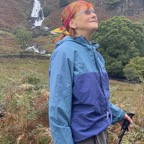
(24, 90)
(8, 44)
(12, 14)
(129, 97)
(46, 42)
(15, 69)
(14, 87)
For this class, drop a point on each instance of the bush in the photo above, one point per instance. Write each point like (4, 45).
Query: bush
(23, 36)
(134, 70)
(39, 32)
(63, 3)
(25, 117)
(46, 11)
(113, 3)
(120, 40)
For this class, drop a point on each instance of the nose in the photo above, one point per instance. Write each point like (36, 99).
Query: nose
(94, 14)
(93, 11)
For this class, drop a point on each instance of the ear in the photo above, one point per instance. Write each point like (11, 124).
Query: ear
(73, 24)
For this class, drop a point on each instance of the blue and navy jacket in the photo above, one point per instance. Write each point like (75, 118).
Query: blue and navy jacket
(79, 105)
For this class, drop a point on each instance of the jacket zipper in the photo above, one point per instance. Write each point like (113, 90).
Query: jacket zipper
(98, 67)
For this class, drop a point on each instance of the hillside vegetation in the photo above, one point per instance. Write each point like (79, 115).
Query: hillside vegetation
(16, 14)
(8, 44)
(24, 82)
(24, 97)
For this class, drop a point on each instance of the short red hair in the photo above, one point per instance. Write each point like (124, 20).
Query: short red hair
(69, 12)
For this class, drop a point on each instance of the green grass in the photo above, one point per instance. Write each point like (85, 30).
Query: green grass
(24, 90)
(15, 69)
(6, 33)
(129, 97)
(8, 43)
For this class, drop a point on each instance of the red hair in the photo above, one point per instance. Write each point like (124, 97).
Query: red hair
(69, 12)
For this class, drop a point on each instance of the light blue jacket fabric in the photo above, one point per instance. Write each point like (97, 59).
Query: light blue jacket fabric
(79, 105)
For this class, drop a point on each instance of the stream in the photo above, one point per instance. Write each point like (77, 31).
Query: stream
(37, 14)
(37, 18)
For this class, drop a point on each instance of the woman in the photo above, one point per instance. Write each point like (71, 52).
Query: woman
(79, 107)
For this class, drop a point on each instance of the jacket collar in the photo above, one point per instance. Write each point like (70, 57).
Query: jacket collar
(81, 40)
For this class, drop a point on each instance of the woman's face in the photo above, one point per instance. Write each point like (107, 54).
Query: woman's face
(85, 21)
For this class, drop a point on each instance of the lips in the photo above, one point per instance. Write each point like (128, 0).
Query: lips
(94, 21)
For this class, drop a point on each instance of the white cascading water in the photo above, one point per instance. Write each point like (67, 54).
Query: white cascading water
(38, 17)
(37, 14)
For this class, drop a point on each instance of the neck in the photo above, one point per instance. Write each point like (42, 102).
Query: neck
(87, 35)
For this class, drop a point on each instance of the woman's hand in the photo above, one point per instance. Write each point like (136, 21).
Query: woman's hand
(129, 119)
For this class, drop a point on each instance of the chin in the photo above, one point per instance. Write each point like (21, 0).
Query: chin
(94, 28)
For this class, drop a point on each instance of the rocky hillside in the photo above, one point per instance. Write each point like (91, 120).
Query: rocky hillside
(132, 9)
(14, 13)
(129, 7)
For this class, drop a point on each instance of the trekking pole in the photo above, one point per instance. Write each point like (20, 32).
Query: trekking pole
(124, 128)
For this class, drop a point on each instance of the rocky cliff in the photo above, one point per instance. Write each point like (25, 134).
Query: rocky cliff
(122, 7)
(129, 7)
(132, 9)
(16, 12)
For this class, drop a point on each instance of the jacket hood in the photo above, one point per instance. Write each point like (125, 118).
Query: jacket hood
(80, 40)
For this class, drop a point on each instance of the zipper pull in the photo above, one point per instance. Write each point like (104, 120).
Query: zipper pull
(107, 114)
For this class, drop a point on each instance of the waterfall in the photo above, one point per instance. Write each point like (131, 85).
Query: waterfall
(37, 18)
(37, 14)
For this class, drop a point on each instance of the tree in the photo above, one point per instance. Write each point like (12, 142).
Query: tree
(134, 70)
(46, 11)
(23, 36)
(112, 3)
(63, 3)
(120, 40)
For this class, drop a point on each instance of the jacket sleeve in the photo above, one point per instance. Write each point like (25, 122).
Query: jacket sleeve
(60, 101)
(117, 113)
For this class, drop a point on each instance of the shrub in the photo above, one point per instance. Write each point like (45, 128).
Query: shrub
(23, 36)
(63, 3)
(46, 11)
(25, 117)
